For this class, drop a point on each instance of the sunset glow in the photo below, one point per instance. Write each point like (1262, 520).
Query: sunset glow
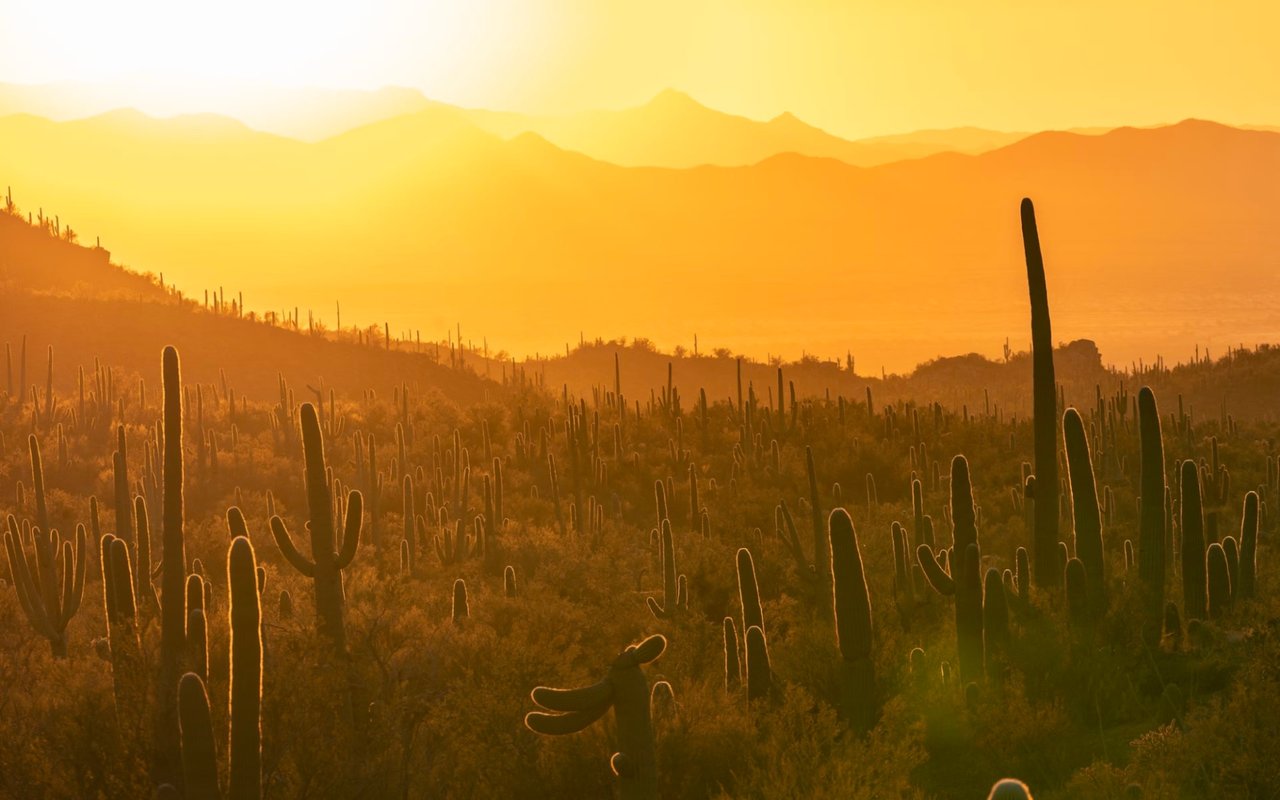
(849, 67)
(666, 400)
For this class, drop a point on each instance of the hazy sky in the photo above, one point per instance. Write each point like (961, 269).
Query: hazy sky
(856, 67)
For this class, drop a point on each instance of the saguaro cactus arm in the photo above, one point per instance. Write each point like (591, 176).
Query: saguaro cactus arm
(938, 578)
(626, 691)
(285, 542)
(351, 530)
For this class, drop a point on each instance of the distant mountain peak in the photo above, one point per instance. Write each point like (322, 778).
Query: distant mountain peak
(674, 99)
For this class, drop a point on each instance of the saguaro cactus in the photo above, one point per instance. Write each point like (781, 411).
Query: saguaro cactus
(199, 761)
(127, 674)
(732, 661)
(675, 596)
(245, 751)
(1219, 582)
(749, 592)
(50, 586)
(1151, 525)
(759, 667)
(49, 597)
(461, 606)
(851, 603)
(1194, 582)
(1009, 789)
(964, 580)
(626, 691)
(1044, 400)
(173, 578)
(1079, 615)
(326, 564)
(1248, 547)
(143, 587)
(1085, 513)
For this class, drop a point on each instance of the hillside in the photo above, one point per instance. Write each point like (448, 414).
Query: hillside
(63, 294)
(71, 298)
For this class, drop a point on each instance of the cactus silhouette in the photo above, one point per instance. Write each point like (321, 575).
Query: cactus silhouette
(461, 607)
(50, 581)
(1009, 789)
(1194, 582)
(749, 592)
(732, 659)
(143, 587)
(173, 578)
(1077, 582)
(852, 607)
(965, 580)
(1247, 574)
(1219, 582)
(1151, 524)
(674, 588)
(759, 667)
(199, 760)
(626, 691)
(245, 750)
(326, 563)
(122, 633)
(1085, 513)
(1044, 413)
(995, 624)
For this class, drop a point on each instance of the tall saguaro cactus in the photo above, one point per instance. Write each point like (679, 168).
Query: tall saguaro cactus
(1044, 401)
(245, 752)
(1151, 524)
(852, 606)
(326, 563)
(1248, 546)
(1194, 583)
(173, 577)
(626, 691)
(1085, 513)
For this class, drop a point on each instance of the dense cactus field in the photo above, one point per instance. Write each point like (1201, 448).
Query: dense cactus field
(208, 594)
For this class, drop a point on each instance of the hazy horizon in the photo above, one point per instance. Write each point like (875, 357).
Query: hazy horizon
(408, 184)
(843, 67)
(247, 103)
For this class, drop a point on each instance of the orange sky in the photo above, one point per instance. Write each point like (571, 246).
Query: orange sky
(855, 68)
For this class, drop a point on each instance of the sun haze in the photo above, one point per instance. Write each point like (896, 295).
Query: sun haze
(854, 68)
(824, 399)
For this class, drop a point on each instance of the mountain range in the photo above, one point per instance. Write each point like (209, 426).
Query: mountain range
(427, 219)
(671, 130)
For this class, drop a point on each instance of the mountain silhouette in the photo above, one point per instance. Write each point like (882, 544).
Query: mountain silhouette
(671, 130)
(89, 310)
(675, 130)
(425, 220)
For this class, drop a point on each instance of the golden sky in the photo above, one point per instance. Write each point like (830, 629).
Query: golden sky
(857, 68)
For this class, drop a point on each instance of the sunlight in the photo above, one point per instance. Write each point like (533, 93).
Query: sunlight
(177, 57)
